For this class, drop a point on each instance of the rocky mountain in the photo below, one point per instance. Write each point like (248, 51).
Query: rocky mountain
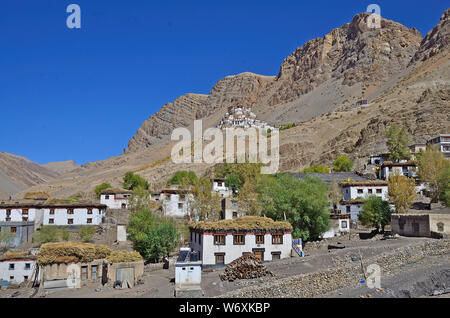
(347, 56)
(18, 173)
(61, 167)
(405, 78)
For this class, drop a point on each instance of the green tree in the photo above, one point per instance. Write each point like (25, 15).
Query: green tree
(402, 192)
(432, 165)
(335, 194)
(444, 184)
(234, 181)
(46, 234)
(132, 181)
(152, 236)
(182, 178)
(375, 213)
(317, 169)
(248, 200)
(5, 239)
(246, 172)
(86, 233)
(342, 163)
(206, 204)
(397, 143)
(302, 202)
(98, 189)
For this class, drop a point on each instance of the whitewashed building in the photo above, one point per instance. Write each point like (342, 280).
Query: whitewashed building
(176, 201)
(340, 225)
(355, 192)
(16, 270)
(115, 198)
(443, 142)
(230, 209)
(188, 269)
(221, 247)
(405, 168)
(221, 188)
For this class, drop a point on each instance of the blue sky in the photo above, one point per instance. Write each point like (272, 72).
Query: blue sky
(81, 94)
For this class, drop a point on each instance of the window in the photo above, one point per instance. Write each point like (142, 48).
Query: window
(344, 224)
(8, 212)
(11, 267)
(13, 229)
(379, 191)
(24, 219)
(51, 221)
(219, 184)
(259, 238)
(360, 191)
(440, 227)
(25, 278)
(348, 208)
(220, 258)
(69, 221)
(369, 191)
(277, 239)
(180, 205)
(235, 215)
(11, 277)
(24, 211)
(52, 211)
(276, 255)
(27, 266)
(89, 211)
(93, 271)
(69, 211)
(89, 221)
(219, 239)
(84, 272)
(238, 239)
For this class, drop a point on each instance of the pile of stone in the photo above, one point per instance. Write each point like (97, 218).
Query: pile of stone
(245, 267)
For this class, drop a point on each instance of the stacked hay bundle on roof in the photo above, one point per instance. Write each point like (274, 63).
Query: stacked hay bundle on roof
(247, 266)
(124, 256)
(242, 224)
(36, 196)
(71, 252)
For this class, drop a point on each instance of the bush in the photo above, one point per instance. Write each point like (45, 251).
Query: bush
(152, 236)
(65, 235)
(132, 181)
(182, 178)
(46, 234)
(86, 233)
(317, 169)
(342, 164)
(98, 189)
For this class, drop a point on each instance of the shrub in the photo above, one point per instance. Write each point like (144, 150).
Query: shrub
(86, 233)
(46, 234)
(65, 235)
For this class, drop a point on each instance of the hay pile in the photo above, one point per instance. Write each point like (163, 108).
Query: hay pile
(244, 223)
(16, 255)
(68, 252)
(36, 196)
(247, 266)
(124, 256)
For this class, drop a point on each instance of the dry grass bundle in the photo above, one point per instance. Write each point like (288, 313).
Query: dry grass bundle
(36, 196)
(11, 255)
(124, 256)
(244, 223)
(84, 252)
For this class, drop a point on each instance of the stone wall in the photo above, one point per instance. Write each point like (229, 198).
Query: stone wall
(347, 274)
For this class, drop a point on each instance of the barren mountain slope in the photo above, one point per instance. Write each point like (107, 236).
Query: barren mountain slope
(18, 173)
(417, 96)
(61, 167)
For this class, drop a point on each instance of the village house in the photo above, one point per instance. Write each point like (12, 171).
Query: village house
(115, 198)
(340, 225)
(220, 187)
(176, 201)
(443, 142)
(52, 212)
(220, 243)
(434, 224)
(355, 193)
(230, 209)
(403, 168)
(16, 268)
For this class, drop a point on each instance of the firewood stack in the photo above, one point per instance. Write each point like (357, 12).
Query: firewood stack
(245, 267)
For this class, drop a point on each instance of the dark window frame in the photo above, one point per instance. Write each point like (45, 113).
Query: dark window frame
(223, 241)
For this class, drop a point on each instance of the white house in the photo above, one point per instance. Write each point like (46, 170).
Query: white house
(340, 225)
(176, 201)
(354, 194)
(220, 187)
(17, 269)
(53, 212)
(115, 198)
(405, 168)
(220, 243)
(230, 209)
(443, 141)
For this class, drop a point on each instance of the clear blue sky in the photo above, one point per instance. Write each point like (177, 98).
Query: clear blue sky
(82, 94)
